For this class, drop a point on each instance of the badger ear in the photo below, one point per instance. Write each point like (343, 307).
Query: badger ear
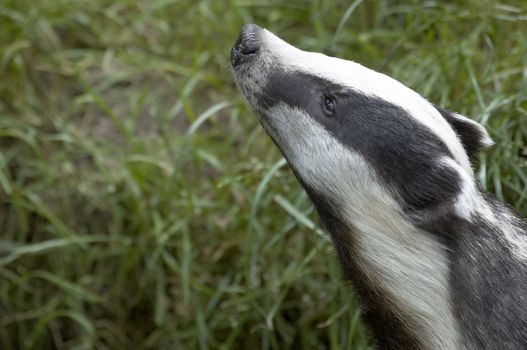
(473, 135)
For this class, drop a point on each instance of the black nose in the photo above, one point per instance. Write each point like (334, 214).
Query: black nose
(247, 45)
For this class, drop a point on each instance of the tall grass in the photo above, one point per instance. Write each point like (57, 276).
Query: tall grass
(142, 207)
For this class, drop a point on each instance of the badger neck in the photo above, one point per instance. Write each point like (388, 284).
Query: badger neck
(400, 272)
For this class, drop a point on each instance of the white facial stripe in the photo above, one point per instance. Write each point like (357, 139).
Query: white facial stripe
(322, 161)
(411, 265)
(368, 82)
(469, 201)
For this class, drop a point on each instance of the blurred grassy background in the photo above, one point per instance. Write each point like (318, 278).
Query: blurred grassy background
(141, 205)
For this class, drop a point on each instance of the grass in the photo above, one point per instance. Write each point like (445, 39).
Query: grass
(141, 205)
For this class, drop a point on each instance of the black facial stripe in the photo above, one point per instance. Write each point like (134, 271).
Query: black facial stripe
(296, 89)
(403, 152)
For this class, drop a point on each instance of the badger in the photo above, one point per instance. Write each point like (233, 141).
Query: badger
(437, 262)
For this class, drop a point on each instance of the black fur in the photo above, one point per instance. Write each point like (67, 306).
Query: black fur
(387, 322)
(488, 284)
(403, 152)
(470, 135)
(489, 287)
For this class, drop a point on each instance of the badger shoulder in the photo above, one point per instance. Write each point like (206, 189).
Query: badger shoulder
(489, 278)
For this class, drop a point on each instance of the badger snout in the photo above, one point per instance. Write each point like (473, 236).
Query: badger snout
(247, 46)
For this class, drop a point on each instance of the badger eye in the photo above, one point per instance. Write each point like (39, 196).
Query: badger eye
(329, 105)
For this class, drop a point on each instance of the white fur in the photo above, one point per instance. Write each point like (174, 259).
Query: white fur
(369, 82)
(469, 201)
(409, 264)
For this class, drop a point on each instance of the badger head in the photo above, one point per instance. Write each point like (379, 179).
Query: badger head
(389, 173)
(356, 136)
